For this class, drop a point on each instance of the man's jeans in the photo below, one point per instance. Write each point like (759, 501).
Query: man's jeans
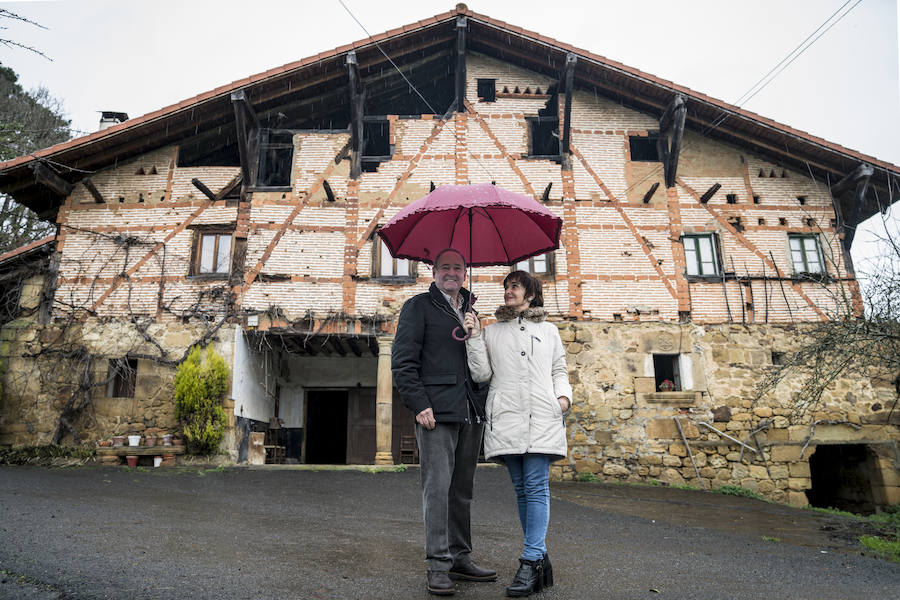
(448, 455)
(530, 474)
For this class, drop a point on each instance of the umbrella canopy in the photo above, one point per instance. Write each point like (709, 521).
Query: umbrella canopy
(485, 223)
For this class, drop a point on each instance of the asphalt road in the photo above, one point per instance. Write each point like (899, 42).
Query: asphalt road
(118, 533)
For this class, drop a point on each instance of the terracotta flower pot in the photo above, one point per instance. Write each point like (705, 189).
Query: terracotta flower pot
(150, 440)
(104, 443)
(132, 460)
(178, 441)
(118, 440)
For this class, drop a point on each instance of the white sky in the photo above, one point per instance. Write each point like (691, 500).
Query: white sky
(139, 56)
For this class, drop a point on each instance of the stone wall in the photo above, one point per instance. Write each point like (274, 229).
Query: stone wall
(622, 428)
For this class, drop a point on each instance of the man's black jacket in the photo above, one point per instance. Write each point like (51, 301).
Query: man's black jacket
(429, 366)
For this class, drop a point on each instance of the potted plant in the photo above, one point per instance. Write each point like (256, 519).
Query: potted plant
(667, 385)
(118, 440)
(167, 439)
(150, 440)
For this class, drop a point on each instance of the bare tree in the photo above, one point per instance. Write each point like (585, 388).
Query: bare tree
(851, 343)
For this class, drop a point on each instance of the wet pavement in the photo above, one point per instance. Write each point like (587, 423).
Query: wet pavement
(95, 532)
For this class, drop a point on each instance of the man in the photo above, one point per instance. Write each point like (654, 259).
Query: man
(432, 375)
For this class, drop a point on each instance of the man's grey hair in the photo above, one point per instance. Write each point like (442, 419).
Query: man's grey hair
(445, 251)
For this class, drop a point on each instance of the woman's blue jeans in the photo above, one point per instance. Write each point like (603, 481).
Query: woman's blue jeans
(530, 474)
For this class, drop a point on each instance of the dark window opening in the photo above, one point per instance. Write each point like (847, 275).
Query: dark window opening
(684, 316)
(376, 144)
(487, 90)
(782, 221)
(731, 198)
(643, 148)
(762, 221)
(544, 136)
(276, 151)
(842, 477)
(666, 372)
(755, 199)
(801, 200)
(121, 377)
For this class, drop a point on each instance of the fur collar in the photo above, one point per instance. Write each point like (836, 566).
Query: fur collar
(505, 313)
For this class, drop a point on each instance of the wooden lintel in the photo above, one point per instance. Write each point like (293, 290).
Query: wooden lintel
(568, 83)
(48, 178)
(98, 197)
(545, 197)
(354, 347)
(206, 191)
(650, 192)
(863, 171)
(357, 110)
(710, 193)
(230, 186)
(329, 193)
(462, 24)
(671, 123)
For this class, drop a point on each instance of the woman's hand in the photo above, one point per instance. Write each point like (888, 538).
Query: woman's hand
(564, 403)
(472, 324)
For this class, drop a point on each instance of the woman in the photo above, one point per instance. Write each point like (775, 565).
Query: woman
(523, 357)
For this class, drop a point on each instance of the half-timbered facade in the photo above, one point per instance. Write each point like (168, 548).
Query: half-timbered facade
(698, 240)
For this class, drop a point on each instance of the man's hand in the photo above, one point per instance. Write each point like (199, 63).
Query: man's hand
(426, 418)
(472, 324)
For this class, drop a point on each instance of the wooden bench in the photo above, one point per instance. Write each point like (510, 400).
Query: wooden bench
(120, 452)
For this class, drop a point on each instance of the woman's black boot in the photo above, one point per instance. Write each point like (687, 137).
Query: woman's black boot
(529, 578)
(548, 571)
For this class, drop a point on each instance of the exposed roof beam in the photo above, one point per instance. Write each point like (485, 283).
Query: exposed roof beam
(49, 179)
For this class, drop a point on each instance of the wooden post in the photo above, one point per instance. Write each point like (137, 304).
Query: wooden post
(357, 133)
(710, 193)
(206, 191)
(461, 25)
(247, 138)
(565, 138)
(859, 180)
(671, 121)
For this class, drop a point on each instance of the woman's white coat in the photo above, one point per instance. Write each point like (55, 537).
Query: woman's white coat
(524, 359)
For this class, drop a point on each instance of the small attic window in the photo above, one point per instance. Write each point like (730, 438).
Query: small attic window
(487, 90)
(544, 136)
(643, 148)
(731, 198)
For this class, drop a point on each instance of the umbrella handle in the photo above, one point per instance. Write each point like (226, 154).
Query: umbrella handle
(457, 337)
(466, 334)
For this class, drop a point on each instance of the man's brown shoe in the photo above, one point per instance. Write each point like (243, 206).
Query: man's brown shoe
(469, 571)
(439, 584)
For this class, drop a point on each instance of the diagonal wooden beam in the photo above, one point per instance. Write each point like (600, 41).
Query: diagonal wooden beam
(202, 187)
(149, 255)
(98, 197)
(512, 163)
(752, 247)
(230, 186)
(593, 174)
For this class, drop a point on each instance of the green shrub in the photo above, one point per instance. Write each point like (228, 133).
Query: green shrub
(200, 383)
(736, 490)
(586, 477)
(50, 455)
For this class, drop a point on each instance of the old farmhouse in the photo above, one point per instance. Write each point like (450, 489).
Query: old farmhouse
(699, 241)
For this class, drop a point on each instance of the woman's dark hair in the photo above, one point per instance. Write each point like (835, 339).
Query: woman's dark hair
(531, 284)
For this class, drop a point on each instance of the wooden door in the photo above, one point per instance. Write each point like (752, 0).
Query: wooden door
(361, 427)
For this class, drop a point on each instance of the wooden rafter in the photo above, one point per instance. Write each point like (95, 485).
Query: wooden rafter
(49, 179)
(89, 185)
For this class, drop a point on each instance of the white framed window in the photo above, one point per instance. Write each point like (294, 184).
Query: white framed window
(543, 264)
(212, 254)
(806, 254)
(385, 266)
(701, 254)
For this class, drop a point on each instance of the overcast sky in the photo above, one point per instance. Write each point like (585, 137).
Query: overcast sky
(139, 56)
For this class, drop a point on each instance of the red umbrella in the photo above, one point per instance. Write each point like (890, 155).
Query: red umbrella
(486, 224)
(504, 227)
